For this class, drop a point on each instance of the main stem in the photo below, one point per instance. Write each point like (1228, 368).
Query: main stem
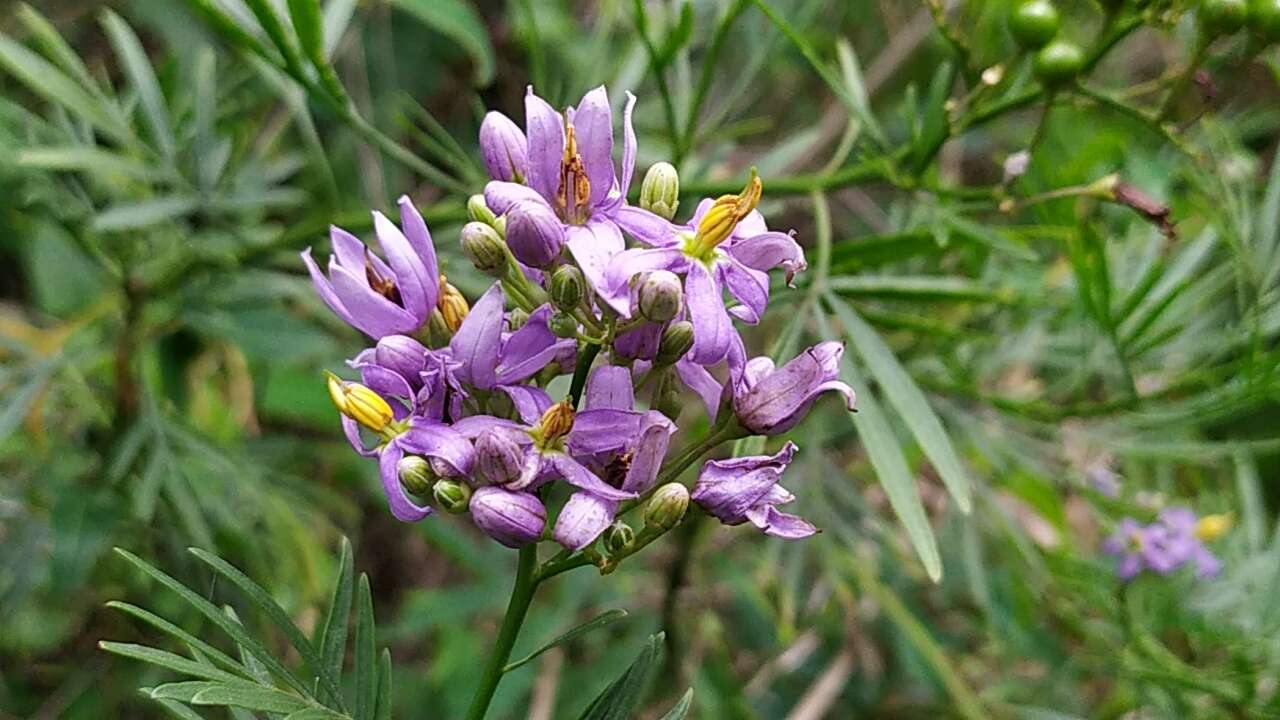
(517, 607)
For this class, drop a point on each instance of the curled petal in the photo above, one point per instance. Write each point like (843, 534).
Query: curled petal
(779, 524)
(769, 250)
(750, 287)
(351, 429)
(325, 290)
(502, 196)
(628, 146)
(580, 477)
(698, 379)
(582, 520)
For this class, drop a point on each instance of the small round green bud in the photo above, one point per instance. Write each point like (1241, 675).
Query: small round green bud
(516, 318)
(619, 537)
(667, 506)
(478, 210)
(1264, 21)
(1034, 23)
(563, 325)
(452, 496)
(660, 191)
(1222, 17)
(483, 247)
(669, 401)
(1058, 63)
(567, 287)
(660, 296)
(415, 474)
(676, 340)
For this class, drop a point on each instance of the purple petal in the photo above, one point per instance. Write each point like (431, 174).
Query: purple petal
(779, 524)
(385, 381)
(419, 237)
(702, 383)
(593, 245)
(609, 387)
(436, 440)
(582, 520)
(371, 313)
(647, 457)
(401, 354)
(545, 130)
(503, 147)
(575, 474)
(531, 348)
(502, 196)
(478, 340)
(603, 429)
(593, 126)
(629, 263)
(767, 251)
(628, 146)
(512, 518)
(325, 290)
(405, 266)
(530, 402)
(348, 249)
(471, 427)
(750, 287)
(712, 328)
(402, 507)
(639, 344)
(351, 429)
(646, 227)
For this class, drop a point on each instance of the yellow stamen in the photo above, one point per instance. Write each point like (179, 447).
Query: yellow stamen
(557, 421)
(1212, 527)
(453, 306)
(573, 177)
(724, 215)
(359, 403)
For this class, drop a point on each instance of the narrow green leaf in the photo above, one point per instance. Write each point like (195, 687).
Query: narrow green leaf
(919, 288)
(851, 70)
(679, 35)
(273, 26)
(624, 695)
(250, 697)
(213, 653)
(56, 47)
(907, 398)
(169, 660)
(366, 655)
(604, 618)
(1252, 509)
(681, 708)
(383, 701)
(45, 80)
(144, 213)
(798, 39)
(211, 612)
(332, 637)
(86, 159)
(889, 463)
(315, 713)
(263, 600)
(177, 709)
(142, 77)
(934, 127)
(308, 23)
(181, 691)
(459, 21)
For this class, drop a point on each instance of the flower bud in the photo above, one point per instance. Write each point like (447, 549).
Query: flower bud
(667, 506)
(557, 421)
(1212, 527)
(415, 474)
(567, 287)
(669, 401)
(401, 354)
(498, 458)
(660, 191)
(453, 306)
(359, 403)
(516, 318)
(483, 247)
(534, 234)
(676, 341)
(478, 210)
(503, 148)
(512, 518)
(619, 537)
(660, 296)
(452, 496)
(563, 325)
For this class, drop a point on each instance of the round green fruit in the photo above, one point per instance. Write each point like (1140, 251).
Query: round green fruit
(1058, 63)
(1223, 17)
(1034, 23)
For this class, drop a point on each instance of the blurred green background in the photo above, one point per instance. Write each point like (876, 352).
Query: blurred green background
(161, 349)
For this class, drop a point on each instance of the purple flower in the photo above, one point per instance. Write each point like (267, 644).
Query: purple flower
(403, 368)
(503, 148)
(512, 518)
(744, 489)
(1161, 547)
(449, 452)
(572, 176)
(726, 245)
(771, 401)
(632, 466)
(377, 297)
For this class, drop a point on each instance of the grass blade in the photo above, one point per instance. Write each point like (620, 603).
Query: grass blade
(604, 618)
(332, 636)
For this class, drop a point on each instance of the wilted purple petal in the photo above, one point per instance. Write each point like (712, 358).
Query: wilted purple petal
(779, 524)
(767, 251)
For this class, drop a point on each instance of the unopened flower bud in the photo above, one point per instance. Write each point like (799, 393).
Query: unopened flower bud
(453, 306)
(618, 537)
(483, 247)
(359, 403)
(534, 234)
(452, 496)
(567, 287)
(659, 296)
(478, 210)
(563, 325)
(669, 401)
(503, 148)
(415, 474)
(1212, 527)
(660, 191)
(498, 458)
(516, 318)
(557, 421)
(512, 518)
(676, 341)
(667, 506)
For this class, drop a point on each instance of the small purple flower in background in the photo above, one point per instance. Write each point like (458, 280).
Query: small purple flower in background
(770, 401)
(377, 297)
(745, 489)
(725, 245)
(1175, 539)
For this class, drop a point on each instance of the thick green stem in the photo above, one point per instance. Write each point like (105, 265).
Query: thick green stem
(517, 607)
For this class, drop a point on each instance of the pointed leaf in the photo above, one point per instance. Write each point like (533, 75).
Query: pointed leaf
(624, 695)
(213, 653)
(169, 660)
(908, 399)
(681, 708)
(144, 213)
(133, 59)
(104, 163)
(383, 701)
(45, 80)
(604, 618)
(308, 23)
(332, 638)
(250, 697)
(56, 47)
(459, 21)
(366, 656)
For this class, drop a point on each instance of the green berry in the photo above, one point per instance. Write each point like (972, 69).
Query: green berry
(1058, 63)
(1264, 20)
(1222, 17)
(1034, 23)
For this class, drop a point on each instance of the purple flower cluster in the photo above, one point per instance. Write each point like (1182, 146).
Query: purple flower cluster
(1175, 539)
(453, 400)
